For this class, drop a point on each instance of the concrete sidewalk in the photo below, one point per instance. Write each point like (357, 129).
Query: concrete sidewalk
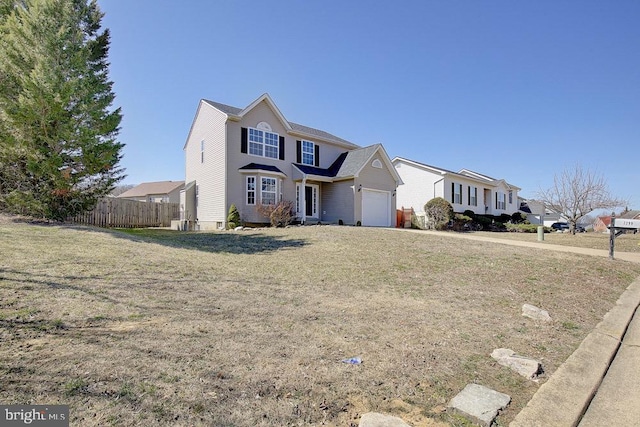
(625, 256)
(599, 384)
(617, 401)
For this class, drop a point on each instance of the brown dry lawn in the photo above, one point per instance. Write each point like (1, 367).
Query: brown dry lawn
(249, 328)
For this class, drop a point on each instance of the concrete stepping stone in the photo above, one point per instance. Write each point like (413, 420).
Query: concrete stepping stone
(535, 313)
(375, 419)
(479, 404)
(528, 368)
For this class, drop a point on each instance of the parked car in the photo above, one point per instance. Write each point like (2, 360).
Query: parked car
(580, 229)
(560, 226)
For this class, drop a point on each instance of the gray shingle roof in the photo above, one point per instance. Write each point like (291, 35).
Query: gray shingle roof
(630, 215)
(347, 165)
(319, 133)
(355, 160)
(330, 172)
(227, 109)
(257, 166)
(158, 187)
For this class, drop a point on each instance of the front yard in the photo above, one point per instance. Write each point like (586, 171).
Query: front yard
(249, 328)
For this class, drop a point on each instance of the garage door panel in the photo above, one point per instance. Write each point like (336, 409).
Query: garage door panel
(375, 208)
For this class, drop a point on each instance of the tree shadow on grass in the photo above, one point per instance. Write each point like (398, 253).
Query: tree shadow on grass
(232, 243)
(28, 279)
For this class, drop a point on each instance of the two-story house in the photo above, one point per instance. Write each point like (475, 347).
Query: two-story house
(465, 190)
(254, 155)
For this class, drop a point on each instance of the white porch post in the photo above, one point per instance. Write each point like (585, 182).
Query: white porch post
(303, 202)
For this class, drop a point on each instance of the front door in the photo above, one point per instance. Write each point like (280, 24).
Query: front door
(309, 202)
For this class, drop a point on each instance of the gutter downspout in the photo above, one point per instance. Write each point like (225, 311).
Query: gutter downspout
(434, 187)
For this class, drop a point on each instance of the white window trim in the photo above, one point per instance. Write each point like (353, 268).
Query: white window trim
(274, 192)
(457, 193)
(263, 143)
(315, 192)
(473, 199)
(312, 154)
(247, 191)
(501, 199)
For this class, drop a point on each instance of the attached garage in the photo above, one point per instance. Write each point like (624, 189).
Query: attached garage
(376, 208)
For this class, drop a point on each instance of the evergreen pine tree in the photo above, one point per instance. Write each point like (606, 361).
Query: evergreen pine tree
(58, 133)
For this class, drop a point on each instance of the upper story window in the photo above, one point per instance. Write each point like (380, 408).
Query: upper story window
(263, 143)
(202, 151)
(510, 197)
(308, 153)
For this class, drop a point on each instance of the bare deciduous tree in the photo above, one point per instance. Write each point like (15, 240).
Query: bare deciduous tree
(576, 192)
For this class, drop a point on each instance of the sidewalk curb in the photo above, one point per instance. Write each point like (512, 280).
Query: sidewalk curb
(564, 398)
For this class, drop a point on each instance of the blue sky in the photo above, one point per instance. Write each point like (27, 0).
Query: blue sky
(514, 90)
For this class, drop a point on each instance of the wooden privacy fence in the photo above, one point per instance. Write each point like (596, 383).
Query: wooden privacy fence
(123, 213)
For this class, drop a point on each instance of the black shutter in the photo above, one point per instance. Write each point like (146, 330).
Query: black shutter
(281, 148)
(317, 155)
(453, 192)
(243, 140)
(298, 151)
(469, 195)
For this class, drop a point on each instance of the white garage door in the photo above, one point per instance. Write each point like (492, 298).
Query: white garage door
(375, 208)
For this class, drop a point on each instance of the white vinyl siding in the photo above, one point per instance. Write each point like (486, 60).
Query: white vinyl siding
(419, 187)
(210, 176)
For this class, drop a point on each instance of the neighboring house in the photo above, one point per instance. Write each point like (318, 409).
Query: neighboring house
(629, 215)
(602, 223)
(465, 190)
(158, 192)
(533, 210)
(254, 155)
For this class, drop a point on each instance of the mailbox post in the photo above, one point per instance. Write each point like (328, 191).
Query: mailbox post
(617, 227)
(612, 234)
